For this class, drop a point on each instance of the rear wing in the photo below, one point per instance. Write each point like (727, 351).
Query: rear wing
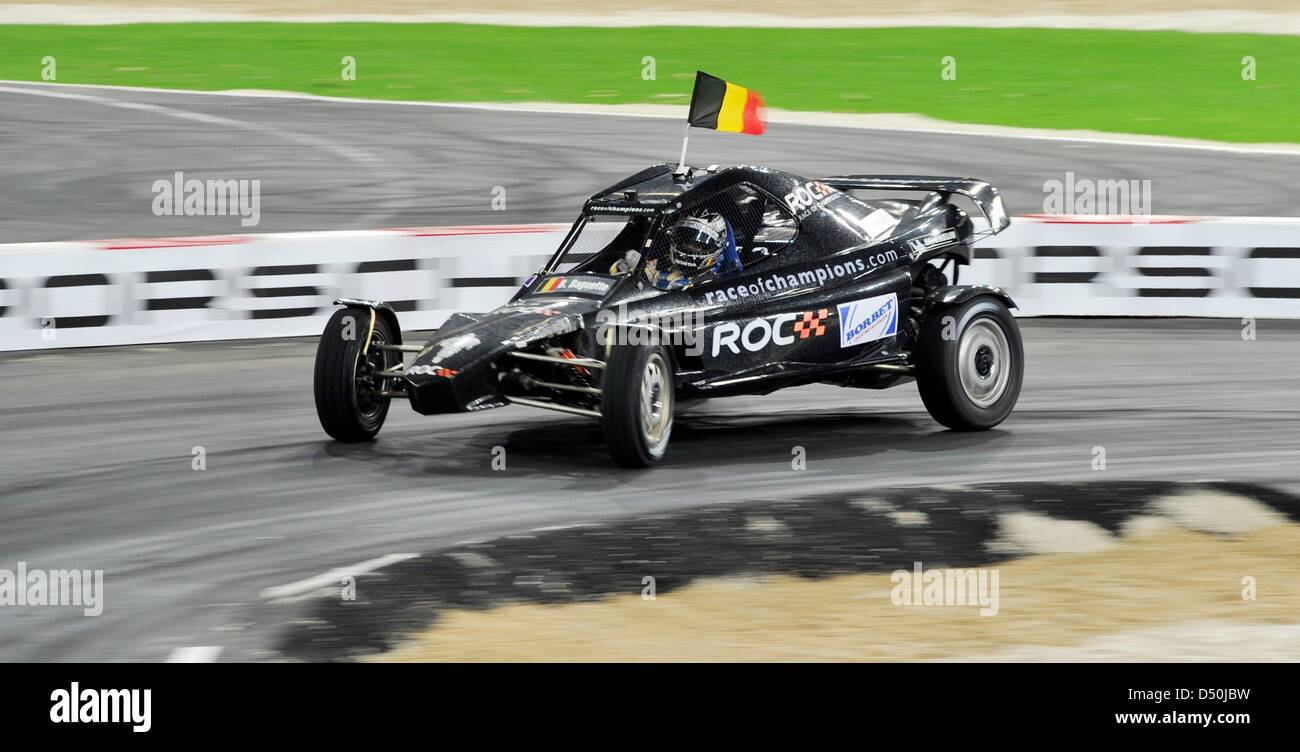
(985, 197)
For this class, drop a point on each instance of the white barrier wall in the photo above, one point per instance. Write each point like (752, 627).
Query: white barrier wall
(246, 286)
(1145, 266)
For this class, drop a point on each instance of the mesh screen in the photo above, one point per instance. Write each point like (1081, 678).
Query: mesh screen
(762, 226)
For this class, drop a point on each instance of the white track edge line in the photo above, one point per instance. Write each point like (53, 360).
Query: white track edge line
(1121, 139)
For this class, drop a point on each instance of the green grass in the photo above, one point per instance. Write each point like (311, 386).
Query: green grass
(1165, 83)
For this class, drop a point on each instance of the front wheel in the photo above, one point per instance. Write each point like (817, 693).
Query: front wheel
(350, 400)
(637, 398)
(970, 363)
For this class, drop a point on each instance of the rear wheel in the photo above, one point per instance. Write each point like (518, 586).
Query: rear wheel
(637, 401)
(349, 397)
(970, 363)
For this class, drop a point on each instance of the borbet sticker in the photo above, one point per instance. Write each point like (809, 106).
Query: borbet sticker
(863, 321)
(576, 286)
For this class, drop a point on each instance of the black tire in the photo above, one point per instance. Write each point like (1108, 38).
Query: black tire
(633, 440)
(984, 346)
(347, 400)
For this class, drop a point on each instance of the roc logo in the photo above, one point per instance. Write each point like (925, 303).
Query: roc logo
(759, 333)
(868, 320)
(811, 324)
(804, 198)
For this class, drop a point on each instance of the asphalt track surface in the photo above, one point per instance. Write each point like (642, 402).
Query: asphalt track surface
(96, 445)
(79, 163)
(97, 449)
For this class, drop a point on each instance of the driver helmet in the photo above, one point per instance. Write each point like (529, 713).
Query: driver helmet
(696, 243)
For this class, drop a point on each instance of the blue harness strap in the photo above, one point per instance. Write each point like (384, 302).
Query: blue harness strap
(730, 261)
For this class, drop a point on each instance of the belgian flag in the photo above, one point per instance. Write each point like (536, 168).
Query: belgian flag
(723, 106)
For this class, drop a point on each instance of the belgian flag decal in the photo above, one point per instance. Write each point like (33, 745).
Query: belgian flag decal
(723, 106)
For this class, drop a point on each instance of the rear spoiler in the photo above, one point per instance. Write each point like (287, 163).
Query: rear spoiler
(982, 194)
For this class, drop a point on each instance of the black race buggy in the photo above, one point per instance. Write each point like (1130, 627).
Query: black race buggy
(847, 280)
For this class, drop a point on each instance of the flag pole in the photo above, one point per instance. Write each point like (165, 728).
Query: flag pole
(681, 163)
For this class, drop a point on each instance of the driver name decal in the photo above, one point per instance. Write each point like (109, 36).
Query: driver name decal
(868, 320)
(576, 285)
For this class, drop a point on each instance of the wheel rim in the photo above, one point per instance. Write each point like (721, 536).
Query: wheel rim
(656, 404)
(370, 403)
(984, 362)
